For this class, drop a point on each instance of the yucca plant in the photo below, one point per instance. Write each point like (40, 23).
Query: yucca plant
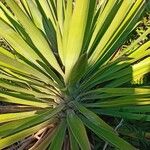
(65, 71)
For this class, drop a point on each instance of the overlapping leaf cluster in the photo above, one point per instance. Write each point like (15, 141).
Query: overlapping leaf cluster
(66, 70)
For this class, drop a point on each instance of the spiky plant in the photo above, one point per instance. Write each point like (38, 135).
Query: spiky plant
(65, 71)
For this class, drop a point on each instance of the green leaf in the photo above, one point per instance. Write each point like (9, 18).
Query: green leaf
(106, 135)
(52, 74)
(121, 102)
(77, 128)
(17, 100)
(78, 70)
(60, 14)
(48, 10)
(113, 92)
(49, 21)
(59, 136)
(92, 117)
(27, 123)
(30, 91)
(73, 142)
(126, 115)
(16, 116)
(141, 68)
(134, 109)
(74, 44)
(47, 115)
(16, 41)
(35, 14)
(123, 31)
(68, 15)
(116, 22)
(8, 128)
(17, 66)
(7, 53)
(89, 26)
(6, 15)
(9, 140)
(35, 34)
(102, 18)
(16, 126)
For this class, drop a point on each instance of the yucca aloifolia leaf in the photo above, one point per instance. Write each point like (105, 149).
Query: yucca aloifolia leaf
(59, 136)
(27, 91)
(36, 36)
(112, 92)
(101, 125)
(92, 117)
(23, 5)
(4, 142)
(66, 67)
(120, 68)
(15, 116)
(29, 127)
(6, 52)
(126, 25)
(17, 66)
(68, 15)
(73, 142)
(76, 34)
(7, 128)
(100, 21)
(6, 15)
(121, 102)
(78, 130)
(77, 71)
(60, 14)
(109, 136)
(17, 42)
(126, 115)
(6, 97)
(35, 14)
(132, 109)
(141, 68)
(49, 16)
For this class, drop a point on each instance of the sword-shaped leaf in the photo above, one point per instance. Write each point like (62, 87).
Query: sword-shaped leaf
(78, 130)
